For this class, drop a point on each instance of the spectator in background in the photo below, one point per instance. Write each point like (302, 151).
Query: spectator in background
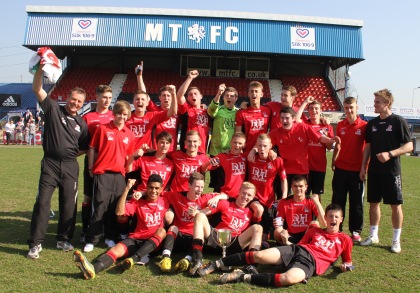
(19, 131)
(9, 128)
(32, 132)
(26, 132)
(27, 116)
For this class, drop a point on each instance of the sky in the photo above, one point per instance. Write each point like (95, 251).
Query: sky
(391, 42)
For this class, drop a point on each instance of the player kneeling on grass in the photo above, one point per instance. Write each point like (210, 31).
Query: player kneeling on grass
(235, 216)
(313, 255)
(296, 213)
(148, 234)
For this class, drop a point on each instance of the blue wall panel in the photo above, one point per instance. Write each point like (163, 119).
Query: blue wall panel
(129, 31)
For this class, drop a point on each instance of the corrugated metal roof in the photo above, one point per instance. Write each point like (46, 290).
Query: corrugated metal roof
(195, 13)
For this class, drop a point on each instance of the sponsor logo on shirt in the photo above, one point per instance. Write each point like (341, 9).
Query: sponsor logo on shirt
(257, 124)
(236, 223)
(153, 219)
(300, 139)
(324, 244)
(162, 174)
(170, 123)
(77, 128)
(238, 168)
(187, 170)
(389, 128)
(202, 120)
(299, 220)
(138, 130)
(63, 121)
(259, 174)
(358, 132)
(374, 129)
(125, 140)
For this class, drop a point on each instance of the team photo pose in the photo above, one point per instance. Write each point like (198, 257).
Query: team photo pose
(150, 211)
(387, 138)
(313, 255)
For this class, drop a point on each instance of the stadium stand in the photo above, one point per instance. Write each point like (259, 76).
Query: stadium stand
(87, 78)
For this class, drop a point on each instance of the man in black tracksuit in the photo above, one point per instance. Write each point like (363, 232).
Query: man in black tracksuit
(65, 137)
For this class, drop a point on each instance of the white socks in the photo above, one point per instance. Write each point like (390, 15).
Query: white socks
(396, 235)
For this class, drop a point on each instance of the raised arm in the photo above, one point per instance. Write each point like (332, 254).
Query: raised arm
(214, 106)
(40, 93)
(321, 213)
(139, 75)
(183, 88)
(173, 110)
(302, 107)
(120, 210)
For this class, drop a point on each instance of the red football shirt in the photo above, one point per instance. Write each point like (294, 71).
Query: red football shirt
(180, 204)
(297, 215)
(293, 146)
(352, 144)
(150, 216)
(233, 217)
(170, 125)
(262, 173)
(113, 146)
(234, 167)
(255, 122)
(275, 108)
(184, 166)
(142, 126)
(198, 120)
(326, 248)
(317, 151)
(151, 165)
(94, 119)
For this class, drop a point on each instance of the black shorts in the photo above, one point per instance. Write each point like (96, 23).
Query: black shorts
(133, 245)
(183, 243)
(266, 218)
(296, 237)
(295, 256)
(384, 186)
(316, 181)
(87, 180)
(217, 179)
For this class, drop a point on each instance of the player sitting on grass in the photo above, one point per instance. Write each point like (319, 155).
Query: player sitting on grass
(185, 206)
(148, 234)
(296, 213)
(313, 255)
(235, 216)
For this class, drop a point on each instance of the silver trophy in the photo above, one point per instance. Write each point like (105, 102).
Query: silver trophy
(224, 239)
